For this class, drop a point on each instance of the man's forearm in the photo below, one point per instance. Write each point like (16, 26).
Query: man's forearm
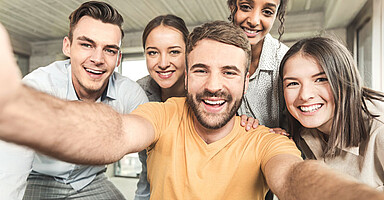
(311, 180)
(62, 129)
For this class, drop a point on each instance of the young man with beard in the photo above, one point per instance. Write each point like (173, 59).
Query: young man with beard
(93, 46)
(196, 147)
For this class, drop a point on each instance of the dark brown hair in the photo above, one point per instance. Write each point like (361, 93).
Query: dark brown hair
(223, 32)
(232, 5)
(166, 20)
(97, 10)
(349, 125)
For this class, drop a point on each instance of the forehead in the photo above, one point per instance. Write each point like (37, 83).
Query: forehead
(217, 54)
(165, 35)
(98, 31)
(301, 65)
(261, 2)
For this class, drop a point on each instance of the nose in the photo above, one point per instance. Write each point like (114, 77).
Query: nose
(254, 18)
(97, 56)
(307, 92)
(213, 83)
(164, 62)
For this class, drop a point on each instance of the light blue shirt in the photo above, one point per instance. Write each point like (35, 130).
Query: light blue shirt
(123, 94)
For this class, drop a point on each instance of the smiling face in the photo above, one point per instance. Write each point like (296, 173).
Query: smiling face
(215, 82)
(307, 92)
(94, 54)
(256, 17)
(165, 56)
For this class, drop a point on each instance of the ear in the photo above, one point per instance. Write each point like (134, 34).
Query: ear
(246, 83)
(66, 46)
(185, 79)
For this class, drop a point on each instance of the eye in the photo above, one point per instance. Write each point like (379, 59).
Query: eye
(175, 52)
(230, 73)
(292, 84)
(200, 71)
(86, 45)
(111, 51)
(268, 12)
(245, 7)
(323, 79)
(152, 53)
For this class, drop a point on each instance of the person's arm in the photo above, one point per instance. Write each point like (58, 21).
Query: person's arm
(10, 75)
(78, 132)
(290, 178)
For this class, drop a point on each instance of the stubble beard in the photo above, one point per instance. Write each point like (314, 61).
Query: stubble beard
(221, 119)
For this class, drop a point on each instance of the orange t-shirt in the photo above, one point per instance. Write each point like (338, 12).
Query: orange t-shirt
(182, 166)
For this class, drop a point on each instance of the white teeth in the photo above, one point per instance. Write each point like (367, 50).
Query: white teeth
(93, 71)
(165, 73)
(214, 102)
(310, 108)
(249, 31)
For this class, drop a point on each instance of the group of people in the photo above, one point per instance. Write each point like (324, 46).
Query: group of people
(192, 142)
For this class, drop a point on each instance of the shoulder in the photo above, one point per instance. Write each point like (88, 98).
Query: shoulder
(151, 88)
(145, 81)
(54, 69)
(272, 53)
(55, 74)
(128, 88)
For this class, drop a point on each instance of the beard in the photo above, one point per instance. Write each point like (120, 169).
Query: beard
(213, 120)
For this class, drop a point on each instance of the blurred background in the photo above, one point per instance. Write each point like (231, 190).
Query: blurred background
(37, 27)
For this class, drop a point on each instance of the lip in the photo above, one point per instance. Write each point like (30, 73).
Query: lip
(211, 107)
(165, 74)
(251, 32)
(90, 73)
(310, 109)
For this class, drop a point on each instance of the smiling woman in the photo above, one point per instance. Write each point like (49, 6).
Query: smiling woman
(334, 118)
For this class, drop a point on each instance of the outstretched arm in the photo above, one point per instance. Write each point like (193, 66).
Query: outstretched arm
(289, 178)
(78, 132)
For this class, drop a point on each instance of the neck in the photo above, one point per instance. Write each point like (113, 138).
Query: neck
(89, 96)
(256, 52)
(213, 135)
(177, 90)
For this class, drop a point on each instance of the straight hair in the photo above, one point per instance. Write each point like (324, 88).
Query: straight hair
(351, 123)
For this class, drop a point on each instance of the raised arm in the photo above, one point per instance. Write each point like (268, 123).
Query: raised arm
(9, 72)
(289, 178)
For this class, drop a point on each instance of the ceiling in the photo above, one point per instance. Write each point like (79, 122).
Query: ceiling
(30, 21)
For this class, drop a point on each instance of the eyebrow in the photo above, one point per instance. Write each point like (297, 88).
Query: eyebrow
(271, 5)
(171, 47)
(292, 78)
(198, 65)
(85, 38)
(231, 67)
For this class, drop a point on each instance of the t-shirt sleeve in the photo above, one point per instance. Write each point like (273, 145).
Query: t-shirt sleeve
(158, 114)
(274, 144)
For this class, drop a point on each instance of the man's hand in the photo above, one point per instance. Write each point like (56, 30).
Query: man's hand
(9, 72)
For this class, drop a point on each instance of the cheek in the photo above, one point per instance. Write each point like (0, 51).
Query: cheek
(239, 17)
(289, 97)
(180, 63)
(150, 62)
